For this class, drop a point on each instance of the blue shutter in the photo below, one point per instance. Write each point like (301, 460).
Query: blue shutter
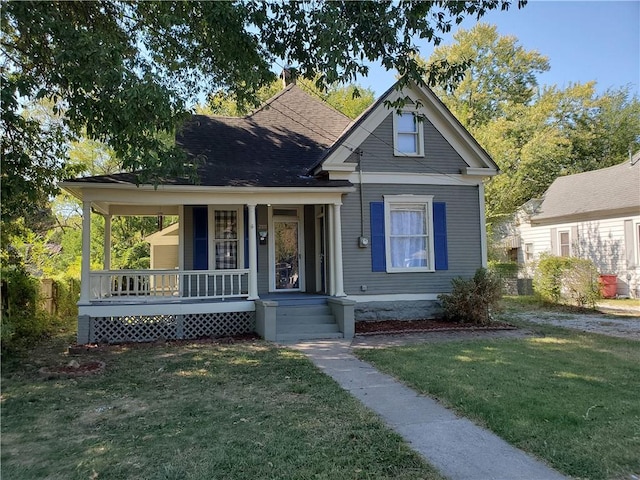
(440, 235)
(200, 238)
(246, 237)
(378, 257)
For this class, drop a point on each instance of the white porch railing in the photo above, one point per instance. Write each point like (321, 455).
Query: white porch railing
(117, 285)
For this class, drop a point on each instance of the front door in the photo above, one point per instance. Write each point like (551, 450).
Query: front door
(286, 239)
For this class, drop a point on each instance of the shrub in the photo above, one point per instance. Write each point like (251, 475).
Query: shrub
(23, 318)
(580, 283)
(566, 280)
(472, 300)
(504, 269)
(547, 280)
(67, 294)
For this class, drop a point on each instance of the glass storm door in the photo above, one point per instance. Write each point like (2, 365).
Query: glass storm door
(286, 241)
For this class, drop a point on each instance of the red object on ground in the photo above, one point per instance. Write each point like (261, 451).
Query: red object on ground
(608, 286)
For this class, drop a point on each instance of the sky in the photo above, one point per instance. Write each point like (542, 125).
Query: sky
(583, 40)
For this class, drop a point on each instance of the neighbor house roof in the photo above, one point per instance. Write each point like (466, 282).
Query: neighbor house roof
(275, 146)
(607, 191)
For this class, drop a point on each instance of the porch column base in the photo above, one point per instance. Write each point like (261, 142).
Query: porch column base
(343, 311)
(84, 322)
(253, 253)
(266, 319)
(337, 253)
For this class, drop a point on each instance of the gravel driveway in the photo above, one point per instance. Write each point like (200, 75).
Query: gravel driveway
(616, 322)
(623, 323)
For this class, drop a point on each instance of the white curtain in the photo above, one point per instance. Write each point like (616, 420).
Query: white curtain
(408, 238)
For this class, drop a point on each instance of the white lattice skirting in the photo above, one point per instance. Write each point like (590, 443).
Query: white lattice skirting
(170, 327)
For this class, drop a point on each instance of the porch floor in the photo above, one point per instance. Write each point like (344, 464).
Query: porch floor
(285, 297)
(296, 298)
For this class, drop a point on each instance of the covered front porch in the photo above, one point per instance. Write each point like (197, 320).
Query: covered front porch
(235, 250)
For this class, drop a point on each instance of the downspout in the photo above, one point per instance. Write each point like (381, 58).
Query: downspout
(359, 152)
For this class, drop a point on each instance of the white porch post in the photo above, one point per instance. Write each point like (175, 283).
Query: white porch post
(107, 242)
(337, 252)
(253, 254)
(86, 253)
(330, 255)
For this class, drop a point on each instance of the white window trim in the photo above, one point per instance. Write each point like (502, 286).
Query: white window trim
(568, 232)
(636, 233)
(528, 252)
(425, 201)
(420, 134)
(212, 233)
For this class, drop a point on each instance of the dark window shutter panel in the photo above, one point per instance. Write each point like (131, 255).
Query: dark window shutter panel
(440, 236)
(200, 239)
(246, 237)
(378, 259)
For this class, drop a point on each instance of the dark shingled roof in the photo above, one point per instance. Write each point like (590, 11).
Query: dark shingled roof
(275, 146)
(609, 189)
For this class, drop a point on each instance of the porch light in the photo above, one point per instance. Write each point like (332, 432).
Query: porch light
(263, 236)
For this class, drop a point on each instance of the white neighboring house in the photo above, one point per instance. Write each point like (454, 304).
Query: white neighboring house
(594, 215)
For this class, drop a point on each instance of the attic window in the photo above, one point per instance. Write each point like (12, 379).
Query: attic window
(407, 135)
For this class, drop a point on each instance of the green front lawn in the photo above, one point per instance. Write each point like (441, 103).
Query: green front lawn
(197, 411)
(572, 399)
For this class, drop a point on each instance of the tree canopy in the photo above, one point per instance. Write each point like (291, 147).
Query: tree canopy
(534, 134)
(125, 73)
(350, 100)
(498, 73)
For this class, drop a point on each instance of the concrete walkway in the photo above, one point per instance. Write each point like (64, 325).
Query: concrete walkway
(458, 448)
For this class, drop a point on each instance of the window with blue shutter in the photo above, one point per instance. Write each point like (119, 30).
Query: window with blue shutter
(200, 238)
(414, 249)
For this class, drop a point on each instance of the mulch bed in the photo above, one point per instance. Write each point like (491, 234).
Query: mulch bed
(387, 327)
(73, 369)
(101, 347)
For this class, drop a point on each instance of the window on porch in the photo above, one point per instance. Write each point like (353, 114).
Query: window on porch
(226, 239)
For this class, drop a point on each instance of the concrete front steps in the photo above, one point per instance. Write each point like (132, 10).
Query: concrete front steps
(295, 322)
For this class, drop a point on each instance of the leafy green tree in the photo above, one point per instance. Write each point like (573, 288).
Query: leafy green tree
(124, 73)
(534, 134)
(498, 73)
(561, 133)
(351, 100)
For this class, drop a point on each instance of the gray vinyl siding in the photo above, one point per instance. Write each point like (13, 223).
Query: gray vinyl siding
(440, 156)
(463, 241)
(263, 252)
